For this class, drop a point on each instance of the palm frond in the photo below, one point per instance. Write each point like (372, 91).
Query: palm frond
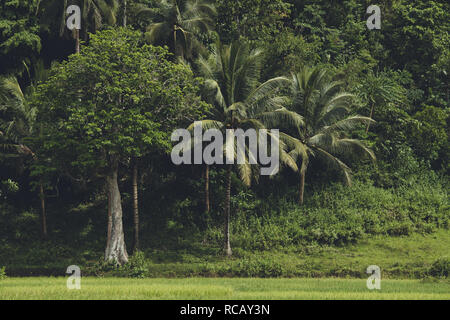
(346, 124)
(353, 146)
(157, 31)
(207, 124)
(282, 118)
(336, 163)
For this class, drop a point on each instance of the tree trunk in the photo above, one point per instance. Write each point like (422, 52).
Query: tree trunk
(227, 246)
(371, 115)
(77, 40)
(207, 205)
(135, 208)
(302, 187)
(175, 41)
(125, 13)
(116, 250)
(108, 236)
(43, 213)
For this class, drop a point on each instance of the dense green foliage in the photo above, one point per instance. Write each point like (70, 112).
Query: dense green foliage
(342, 95)
(20, 42)
(131, 98)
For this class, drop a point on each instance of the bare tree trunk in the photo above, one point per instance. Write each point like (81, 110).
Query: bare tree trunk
(135, 208)
(108, 236)
(175, 40)
(116, 250)
(227, 246)
(207, 205)
(43, 213)
(371, 115)
(125, 13)
(77, 40)
(302, 187)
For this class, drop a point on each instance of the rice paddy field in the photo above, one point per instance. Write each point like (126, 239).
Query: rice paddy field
(222, 289)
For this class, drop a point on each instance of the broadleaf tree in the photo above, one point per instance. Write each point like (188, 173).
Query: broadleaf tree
(119, 98)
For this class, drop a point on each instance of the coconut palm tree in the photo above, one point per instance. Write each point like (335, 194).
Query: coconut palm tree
(23, 116)
(177, 23)
(21, 126)
(323, 133)
(239, 102)
(94, 14)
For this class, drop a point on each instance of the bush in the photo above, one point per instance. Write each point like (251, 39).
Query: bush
(338, 215)
(262, 267)
(101, 268)
(440, 268)
(2, 273)
(137, 266)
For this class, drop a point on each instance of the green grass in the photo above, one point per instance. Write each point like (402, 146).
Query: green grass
(221, 288)
(404, 257)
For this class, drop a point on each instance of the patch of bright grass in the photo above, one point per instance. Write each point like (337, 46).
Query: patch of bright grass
(404, 257)
(224, 289)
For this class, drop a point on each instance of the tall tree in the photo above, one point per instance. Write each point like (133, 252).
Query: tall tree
(20, 127)
(177, 23)
(231, 85)
(94, 15)
(119, 98)
(323, 131)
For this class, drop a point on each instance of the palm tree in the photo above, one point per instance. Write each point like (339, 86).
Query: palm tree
(177, 23)
(94, 14)
(239, 102)
(325, 110)
(21, 126)
(13, 99)
(378, 90)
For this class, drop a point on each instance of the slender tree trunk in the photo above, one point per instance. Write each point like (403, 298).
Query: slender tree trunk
(125, 13)
(108, 236)
(175, 41)
(371, 115)
(116, 250)
(227, 246)
(207, 203)
(135, 208)
(302, 187)
(77, 41)
(43, 213)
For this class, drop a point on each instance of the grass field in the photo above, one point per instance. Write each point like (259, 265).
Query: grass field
(405, 257)
(222, 289)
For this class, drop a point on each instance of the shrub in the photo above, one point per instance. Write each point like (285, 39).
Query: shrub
(440, 268)
(262, 267)
(2, 273)
(338, 215)
(137, 266)
(101, 268)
